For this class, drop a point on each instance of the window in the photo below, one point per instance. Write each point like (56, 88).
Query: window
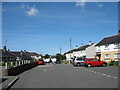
(117, 55)
(117, 45)
(106, 46)
(107, 55)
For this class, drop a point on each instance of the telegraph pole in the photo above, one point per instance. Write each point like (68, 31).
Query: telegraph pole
(60, 53)
(70, 49)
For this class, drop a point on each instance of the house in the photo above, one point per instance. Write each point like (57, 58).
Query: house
(85, 51)
(53, 58)
(109, 48)
(21, 55)
(6, 55)
(34, 55)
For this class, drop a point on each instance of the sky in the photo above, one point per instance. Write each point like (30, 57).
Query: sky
(44, 27)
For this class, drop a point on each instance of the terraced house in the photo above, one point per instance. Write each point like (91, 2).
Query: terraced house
(85, 51)
(108, 49)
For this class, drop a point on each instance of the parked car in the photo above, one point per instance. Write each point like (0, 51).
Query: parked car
(94, 62)
(58, 61)
(78, 61)
(41, 62)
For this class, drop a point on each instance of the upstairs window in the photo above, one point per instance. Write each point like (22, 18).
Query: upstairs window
(106, 47)
(116, 46)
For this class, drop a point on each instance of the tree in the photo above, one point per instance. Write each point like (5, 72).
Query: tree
(60, 57)
(47, 56)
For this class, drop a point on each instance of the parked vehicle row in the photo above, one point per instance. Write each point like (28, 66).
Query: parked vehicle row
(42, 62)
(88, 62)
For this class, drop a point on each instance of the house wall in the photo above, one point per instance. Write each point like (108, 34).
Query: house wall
(90, 51)
(54, 59)
(102, 48)
(110, 50)
(68, 56)
(112, 56)
(36, 57)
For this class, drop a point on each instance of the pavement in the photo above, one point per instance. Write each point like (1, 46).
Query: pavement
(68, 76)
(6, 81)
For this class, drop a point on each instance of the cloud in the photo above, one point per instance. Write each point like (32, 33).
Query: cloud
(32, 11)
(29, 10)
(100, 5)
(81, 3)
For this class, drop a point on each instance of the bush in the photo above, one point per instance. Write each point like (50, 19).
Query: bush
(33, 61)
(113, 63)
(2, 63)
(65, 62)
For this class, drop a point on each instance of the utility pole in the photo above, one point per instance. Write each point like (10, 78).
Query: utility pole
(6, 43)
(70, 49)
(60, 53)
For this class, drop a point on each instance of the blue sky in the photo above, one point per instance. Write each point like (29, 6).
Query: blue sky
(45, 27)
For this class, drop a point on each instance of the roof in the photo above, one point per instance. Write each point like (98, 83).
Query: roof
(22, 55)
(80, 48)
(33, 54)
(109, 40)
(6, 54)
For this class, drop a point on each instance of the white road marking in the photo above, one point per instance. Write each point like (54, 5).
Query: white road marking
(45, 70)
(103, 74)
(114, 77)
(100, 73)
(108, 76)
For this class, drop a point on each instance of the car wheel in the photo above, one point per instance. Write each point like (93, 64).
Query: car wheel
(103, 64)
(78, 64)
(89, 65)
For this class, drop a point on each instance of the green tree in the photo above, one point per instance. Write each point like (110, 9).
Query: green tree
(60, 57)
(47, 56)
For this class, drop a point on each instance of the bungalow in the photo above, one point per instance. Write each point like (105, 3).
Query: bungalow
(34, 55)
(6, 55)
(109, 48)
(21, 55)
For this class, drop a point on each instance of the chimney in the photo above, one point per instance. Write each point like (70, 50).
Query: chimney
(82, 44)
(4, 49)
(21, 52)
(8, 50)
(90, 43)
(119, 32)
(25, 51)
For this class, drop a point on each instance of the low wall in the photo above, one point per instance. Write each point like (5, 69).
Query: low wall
(19, 69)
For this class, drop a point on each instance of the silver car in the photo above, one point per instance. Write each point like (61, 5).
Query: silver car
(78, 61)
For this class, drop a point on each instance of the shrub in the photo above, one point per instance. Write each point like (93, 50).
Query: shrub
(113, 63)
(2, 63)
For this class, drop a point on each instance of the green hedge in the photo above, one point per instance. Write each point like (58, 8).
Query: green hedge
(2, 63)
(113, 63)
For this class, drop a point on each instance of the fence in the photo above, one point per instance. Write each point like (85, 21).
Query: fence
(12, 64)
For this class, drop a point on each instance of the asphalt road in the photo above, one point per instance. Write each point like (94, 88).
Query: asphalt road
(68, 76)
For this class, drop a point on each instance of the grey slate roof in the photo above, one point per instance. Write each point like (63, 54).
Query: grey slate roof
(80, 48)
(109, 40)
(6, 54)
(23, 56)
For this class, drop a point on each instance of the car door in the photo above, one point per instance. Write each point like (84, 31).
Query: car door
(97, 62)
(92, 62)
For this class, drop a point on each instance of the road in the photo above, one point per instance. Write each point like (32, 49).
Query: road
(68, 76)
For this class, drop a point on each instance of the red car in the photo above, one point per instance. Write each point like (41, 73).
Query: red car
(41, 62)
(94, 62)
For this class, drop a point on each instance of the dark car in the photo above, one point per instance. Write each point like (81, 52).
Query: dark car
(58, 61)
(94, 62)
(41, 62)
